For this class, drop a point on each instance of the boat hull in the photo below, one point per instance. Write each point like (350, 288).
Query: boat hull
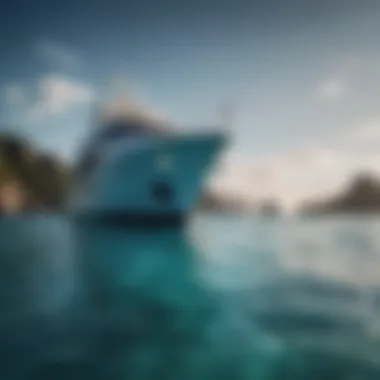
(149, 182)
(125, 218)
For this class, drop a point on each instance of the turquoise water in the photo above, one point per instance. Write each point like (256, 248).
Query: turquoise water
(229, 298)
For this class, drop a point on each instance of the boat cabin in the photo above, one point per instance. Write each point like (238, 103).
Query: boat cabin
(117, 122)
(117, 129)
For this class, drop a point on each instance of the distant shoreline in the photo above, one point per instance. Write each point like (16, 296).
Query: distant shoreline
(361, 197)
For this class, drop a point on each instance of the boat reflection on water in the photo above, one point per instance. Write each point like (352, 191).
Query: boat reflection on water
(153, 311)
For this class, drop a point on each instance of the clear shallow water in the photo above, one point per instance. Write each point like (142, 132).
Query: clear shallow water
(231, 298)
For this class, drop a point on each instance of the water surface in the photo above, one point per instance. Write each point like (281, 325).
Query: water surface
(229, 298)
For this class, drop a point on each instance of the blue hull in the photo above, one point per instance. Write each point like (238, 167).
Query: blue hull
(150, 181)
(138, 219)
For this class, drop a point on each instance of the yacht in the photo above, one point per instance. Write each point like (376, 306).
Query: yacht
(136, 169)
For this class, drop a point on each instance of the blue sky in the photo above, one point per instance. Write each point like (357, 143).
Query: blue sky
(305, 77)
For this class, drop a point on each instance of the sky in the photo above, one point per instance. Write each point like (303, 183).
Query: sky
(303, 76)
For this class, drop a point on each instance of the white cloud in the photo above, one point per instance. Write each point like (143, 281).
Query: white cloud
(310, 172)
(366, 133)
(332, 89)
(291, 178)
(58, 54)
(57, 94)
(14, 95)
(303, 174)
